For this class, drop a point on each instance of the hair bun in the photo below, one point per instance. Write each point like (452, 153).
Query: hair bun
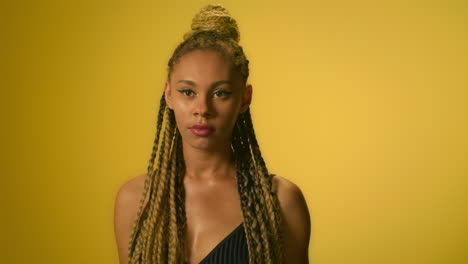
(214, 17)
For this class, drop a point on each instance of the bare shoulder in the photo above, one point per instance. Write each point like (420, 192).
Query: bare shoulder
(289, 194)
(132, 186)
(296, 219)
(127, 202)
(285, 186)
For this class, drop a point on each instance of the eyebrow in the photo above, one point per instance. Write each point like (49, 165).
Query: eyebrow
(192, 83)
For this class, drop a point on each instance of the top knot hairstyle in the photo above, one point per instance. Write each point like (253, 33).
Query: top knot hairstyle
(213, 29)
(214, 18)
(159, 232)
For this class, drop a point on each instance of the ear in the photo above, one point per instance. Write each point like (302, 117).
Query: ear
(168, 95)
(246, 98)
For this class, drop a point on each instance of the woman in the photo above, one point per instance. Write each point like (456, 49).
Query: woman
(207, 196)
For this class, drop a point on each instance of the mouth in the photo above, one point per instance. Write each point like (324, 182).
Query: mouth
(202, 130)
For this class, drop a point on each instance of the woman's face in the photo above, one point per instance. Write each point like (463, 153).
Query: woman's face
(207, 95)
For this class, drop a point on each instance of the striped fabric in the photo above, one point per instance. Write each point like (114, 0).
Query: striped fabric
(231, 250)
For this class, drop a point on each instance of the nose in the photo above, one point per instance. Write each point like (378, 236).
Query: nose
(202, 107)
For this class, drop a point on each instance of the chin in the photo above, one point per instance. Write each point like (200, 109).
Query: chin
(204, 143)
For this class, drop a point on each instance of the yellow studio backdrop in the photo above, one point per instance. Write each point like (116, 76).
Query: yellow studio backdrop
(363, 104)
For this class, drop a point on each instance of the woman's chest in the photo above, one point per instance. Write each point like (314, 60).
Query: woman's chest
(213, 212)
(211, 203)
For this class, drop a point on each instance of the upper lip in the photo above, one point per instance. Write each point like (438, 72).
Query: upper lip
(207, 127)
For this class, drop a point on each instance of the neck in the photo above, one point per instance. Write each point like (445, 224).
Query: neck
(208, 165)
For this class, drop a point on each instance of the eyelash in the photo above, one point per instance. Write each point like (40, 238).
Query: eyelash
(223, 93)
(185, 91)
(219, 92)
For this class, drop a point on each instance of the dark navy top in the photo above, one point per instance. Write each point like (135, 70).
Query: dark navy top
(231, 250)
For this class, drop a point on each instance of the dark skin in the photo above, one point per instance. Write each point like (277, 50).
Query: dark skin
(204, 88)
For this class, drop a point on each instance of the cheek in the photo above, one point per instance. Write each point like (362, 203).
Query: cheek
(230, 112)
(181, 108)
(180, 113)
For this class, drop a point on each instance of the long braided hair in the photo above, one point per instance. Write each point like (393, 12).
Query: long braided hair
(158, 232)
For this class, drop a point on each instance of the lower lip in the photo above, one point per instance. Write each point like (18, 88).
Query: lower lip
(201, 132)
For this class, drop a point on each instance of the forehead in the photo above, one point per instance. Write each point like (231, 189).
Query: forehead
(203, 65)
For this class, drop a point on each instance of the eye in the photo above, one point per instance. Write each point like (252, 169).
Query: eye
(221, 93)
(186, 92)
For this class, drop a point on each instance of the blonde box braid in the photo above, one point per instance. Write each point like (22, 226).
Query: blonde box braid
(157, 234)
(159, 231)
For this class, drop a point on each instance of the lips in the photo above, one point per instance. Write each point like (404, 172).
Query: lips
(202, 130)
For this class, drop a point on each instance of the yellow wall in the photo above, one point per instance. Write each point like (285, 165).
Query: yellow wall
(363, 104)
